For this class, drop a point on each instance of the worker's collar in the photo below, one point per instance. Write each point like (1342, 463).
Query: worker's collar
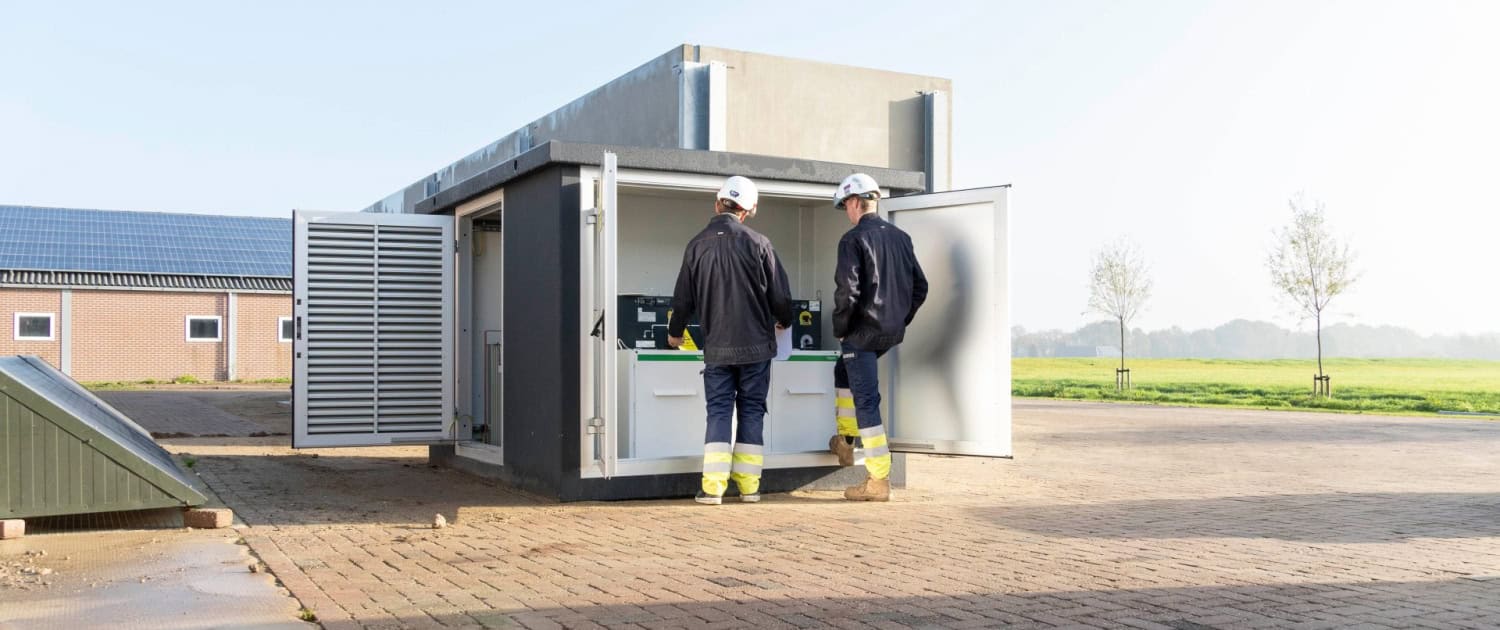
(867, 217)
(726, 216)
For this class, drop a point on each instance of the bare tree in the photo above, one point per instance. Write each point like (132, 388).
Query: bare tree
(1309, 265)
(1119, 285)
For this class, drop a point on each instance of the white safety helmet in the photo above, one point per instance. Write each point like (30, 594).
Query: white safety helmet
(741, 192)
(857, 184)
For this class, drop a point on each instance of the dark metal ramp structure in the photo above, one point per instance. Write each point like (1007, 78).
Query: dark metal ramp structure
(65, 451)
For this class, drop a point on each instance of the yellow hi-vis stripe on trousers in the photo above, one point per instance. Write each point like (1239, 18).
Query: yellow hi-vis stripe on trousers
(877, 454)
(748, 460)
(716, 460)
(844, 409)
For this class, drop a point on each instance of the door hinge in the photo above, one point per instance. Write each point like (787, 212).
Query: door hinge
(591, 216)
(596, 425)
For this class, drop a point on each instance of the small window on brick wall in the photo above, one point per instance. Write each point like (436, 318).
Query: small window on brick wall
(284, 329)
(34, 327)
(203, 328)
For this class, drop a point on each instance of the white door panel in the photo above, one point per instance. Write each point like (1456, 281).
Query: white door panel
(947, 386)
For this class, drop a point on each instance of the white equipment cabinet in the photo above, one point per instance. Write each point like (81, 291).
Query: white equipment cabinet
(801, 403)
(664, 406)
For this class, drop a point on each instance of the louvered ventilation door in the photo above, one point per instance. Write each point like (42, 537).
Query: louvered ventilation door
(376, 331)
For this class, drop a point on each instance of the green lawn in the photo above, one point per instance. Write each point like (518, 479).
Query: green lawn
(1396, 386)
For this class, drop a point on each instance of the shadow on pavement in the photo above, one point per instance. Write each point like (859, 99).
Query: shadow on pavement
(319, 489)
(1459, 602)
(165, 518)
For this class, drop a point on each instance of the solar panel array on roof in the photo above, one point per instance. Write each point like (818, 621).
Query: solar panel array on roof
(65, 239)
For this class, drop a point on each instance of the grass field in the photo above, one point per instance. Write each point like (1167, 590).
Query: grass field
(1394, 386)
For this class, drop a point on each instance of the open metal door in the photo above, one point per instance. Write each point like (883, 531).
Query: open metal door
(947, 389)
(603, 425)
(373, 338)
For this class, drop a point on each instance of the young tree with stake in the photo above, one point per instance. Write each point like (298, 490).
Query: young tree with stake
(1310, 266)
(1119, 286)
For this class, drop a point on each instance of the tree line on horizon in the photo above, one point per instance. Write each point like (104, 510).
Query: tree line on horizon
(1247, 339)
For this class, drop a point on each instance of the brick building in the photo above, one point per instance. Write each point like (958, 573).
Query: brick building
(128, 296)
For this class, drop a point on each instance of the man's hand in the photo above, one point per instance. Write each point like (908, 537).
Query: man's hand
(674, 342)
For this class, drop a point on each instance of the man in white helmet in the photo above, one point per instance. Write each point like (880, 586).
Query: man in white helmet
(878, 288)
(733, 280)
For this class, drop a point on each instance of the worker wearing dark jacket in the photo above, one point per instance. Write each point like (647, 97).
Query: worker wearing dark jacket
(732, 279)
(878, 288)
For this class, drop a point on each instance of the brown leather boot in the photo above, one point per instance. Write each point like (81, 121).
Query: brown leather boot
(844, 450)
(870, 490)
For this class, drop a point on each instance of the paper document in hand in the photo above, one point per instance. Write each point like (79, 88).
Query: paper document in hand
(783, 344)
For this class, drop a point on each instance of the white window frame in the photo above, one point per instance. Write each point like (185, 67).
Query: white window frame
(51, 327)
(281, 323)
(188, 328)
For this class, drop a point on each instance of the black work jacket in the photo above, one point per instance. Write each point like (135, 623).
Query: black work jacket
(879, 285)
(732, 279)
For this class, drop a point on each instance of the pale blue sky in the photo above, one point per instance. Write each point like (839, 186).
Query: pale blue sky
(1185, 125)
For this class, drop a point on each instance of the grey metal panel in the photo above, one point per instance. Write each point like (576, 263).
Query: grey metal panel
(467, 385)
(947, 387)
(671, 160)
(937, 155)
(637, 108)
(64, 451)
(374, 320)
(801, 405)
(606, 282)
(692, 105)
(666, 402)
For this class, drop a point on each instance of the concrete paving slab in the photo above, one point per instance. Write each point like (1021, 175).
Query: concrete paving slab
(146, 579)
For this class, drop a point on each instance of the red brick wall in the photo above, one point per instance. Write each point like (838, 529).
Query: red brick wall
(257, 351)
(14, 301)
(138, 335)
(134, 335)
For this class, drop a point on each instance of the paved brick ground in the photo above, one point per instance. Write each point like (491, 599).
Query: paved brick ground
(232, 412)
(1110, 516)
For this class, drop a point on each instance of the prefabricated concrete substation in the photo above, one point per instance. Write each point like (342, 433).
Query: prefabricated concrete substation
(497, 310)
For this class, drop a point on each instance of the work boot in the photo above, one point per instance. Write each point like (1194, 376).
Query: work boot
(708, 499)
(843, 449)
(871, 490)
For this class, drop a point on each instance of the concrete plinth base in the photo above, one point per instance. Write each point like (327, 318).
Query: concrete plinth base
(208, 518)
(12, 528)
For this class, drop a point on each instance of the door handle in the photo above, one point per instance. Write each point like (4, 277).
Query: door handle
(805, 392)
(299, 327)
(673, 393)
